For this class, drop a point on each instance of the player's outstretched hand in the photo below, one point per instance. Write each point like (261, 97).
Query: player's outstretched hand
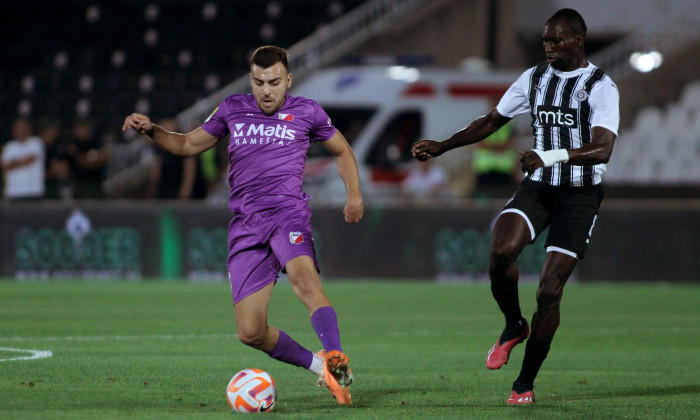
(530, 161)
(424, 149)
(138, 122)
(353, 210)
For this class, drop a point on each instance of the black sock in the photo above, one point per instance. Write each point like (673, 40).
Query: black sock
(508, 301)
(535, 353)
(513, 331)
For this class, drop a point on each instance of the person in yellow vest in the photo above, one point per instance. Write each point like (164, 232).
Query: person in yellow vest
(495, 164)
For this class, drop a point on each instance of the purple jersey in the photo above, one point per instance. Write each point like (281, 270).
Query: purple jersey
(267, 153)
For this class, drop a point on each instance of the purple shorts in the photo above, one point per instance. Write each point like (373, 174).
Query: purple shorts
(262, 243)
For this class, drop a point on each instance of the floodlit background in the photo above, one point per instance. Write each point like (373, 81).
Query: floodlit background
(388, 71)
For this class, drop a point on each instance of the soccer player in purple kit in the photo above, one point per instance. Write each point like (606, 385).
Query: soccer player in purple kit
(270, 132)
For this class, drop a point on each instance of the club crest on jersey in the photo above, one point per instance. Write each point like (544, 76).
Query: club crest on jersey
(581, 95)
(285, 117)
(296, 238)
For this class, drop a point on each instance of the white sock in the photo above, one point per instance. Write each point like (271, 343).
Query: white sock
(316, 366)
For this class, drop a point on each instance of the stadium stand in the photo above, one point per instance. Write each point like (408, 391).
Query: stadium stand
(665, 139)
(101, 59)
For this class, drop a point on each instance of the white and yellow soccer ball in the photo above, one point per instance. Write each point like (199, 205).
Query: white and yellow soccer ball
(251, 391)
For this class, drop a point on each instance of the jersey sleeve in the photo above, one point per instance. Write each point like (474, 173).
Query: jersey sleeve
(215, 124)
(605, 102)
(322, 128)
(515, 101)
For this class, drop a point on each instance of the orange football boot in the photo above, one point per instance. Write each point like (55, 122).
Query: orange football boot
(337, 375)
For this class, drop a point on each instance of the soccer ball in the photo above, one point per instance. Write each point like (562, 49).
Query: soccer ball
(251, 391)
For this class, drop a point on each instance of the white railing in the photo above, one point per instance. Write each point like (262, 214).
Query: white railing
(320, 48)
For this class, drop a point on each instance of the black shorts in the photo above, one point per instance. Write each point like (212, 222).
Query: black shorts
(570, 213)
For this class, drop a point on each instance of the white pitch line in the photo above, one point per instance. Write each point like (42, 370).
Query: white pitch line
(119, 337)
(35, 354)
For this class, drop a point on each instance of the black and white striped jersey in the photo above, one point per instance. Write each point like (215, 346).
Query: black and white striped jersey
(564, 107)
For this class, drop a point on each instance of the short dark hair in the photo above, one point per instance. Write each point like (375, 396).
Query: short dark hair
(574, 18)
(269, 55)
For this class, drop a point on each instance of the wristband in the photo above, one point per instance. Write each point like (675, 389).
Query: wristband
(550, 157)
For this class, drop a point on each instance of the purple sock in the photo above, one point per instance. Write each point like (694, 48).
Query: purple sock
(289, 351)
(325, 323)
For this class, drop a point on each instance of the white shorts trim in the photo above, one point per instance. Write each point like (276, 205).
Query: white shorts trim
(529, 224)
(562, 250)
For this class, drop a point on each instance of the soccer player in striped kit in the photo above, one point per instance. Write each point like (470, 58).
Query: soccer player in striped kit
(574, 107)
(270, 133)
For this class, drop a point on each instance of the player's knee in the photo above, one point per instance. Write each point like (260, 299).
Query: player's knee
(548, 298)
(252, 336)
(504, 253)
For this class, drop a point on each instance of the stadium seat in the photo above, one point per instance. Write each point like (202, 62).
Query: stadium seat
(690, 96)
(675, 119)
(648, 119)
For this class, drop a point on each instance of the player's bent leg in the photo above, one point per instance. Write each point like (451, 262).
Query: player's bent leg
(307, 286)
(253, 330)
(555, 272)
(251, 320)
(511, 234)
(336, 375)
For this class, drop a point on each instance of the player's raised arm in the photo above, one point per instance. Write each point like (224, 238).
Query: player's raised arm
(478, 130)
(347, 168)
(192, 143)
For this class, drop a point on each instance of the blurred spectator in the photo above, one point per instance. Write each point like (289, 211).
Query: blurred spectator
(88, 158)
(175, 177)
(425, 180)
(58, 180)
(23, 163)
(495, 164)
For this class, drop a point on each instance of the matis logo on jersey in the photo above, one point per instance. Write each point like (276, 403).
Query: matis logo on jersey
(296, 238)
(555, 116)
(261, 133)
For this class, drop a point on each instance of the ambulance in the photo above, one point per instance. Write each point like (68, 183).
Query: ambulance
(383, 110)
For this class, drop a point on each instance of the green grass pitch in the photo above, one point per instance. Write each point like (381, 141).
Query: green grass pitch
(156, 349)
